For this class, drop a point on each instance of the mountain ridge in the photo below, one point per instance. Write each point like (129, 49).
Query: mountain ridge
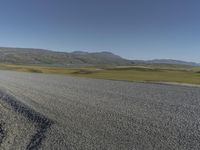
(39, 56)
(168, 61)
(48, 57)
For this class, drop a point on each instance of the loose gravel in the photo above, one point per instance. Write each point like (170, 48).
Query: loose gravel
(42, 124)
(2, 133)
(114, 115)
(15, 131)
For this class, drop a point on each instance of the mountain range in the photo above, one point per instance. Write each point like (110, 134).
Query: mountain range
(167, 61)
(47, 57)
(30, 56)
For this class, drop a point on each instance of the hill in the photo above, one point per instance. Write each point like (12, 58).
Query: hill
(167, 62)
(171, 61)
(31, 56)
(47, 57)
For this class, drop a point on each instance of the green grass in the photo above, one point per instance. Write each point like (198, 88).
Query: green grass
(133, 73)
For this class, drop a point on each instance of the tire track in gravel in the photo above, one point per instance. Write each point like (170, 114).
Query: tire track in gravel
(2, 134)
(42, 122)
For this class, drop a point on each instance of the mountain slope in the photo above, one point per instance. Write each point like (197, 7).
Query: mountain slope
(47, 57)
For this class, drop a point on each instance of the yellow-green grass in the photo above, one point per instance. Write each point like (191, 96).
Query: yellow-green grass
(36, 69)
(134, 73)
(149, 75)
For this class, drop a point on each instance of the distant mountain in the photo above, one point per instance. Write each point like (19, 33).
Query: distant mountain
(29, 56)
(171, 61)
(47, 57)
(166, 61)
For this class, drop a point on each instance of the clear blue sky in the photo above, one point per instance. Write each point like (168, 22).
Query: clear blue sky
(135, 29)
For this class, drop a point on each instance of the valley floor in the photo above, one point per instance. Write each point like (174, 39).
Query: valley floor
(155, 73)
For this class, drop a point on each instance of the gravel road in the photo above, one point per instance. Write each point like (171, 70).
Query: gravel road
(59, 112)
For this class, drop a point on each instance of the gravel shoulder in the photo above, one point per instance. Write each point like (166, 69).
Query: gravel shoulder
(16, 131)
(103, 114)
(20, 126)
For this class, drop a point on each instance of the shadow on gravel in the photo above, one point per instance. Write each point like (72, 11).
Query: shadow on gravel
(2, 134)
(42, 123)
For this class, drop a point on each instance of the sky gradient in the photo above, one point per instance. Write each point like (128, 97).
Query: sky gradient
(134, 29)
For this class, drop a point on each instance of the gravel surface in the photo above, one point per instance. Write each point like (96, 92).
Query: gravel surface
(101, 114)
(15, 130)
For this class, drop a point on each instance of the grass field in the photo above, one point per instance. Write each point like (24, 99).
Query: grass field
(153, 73)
